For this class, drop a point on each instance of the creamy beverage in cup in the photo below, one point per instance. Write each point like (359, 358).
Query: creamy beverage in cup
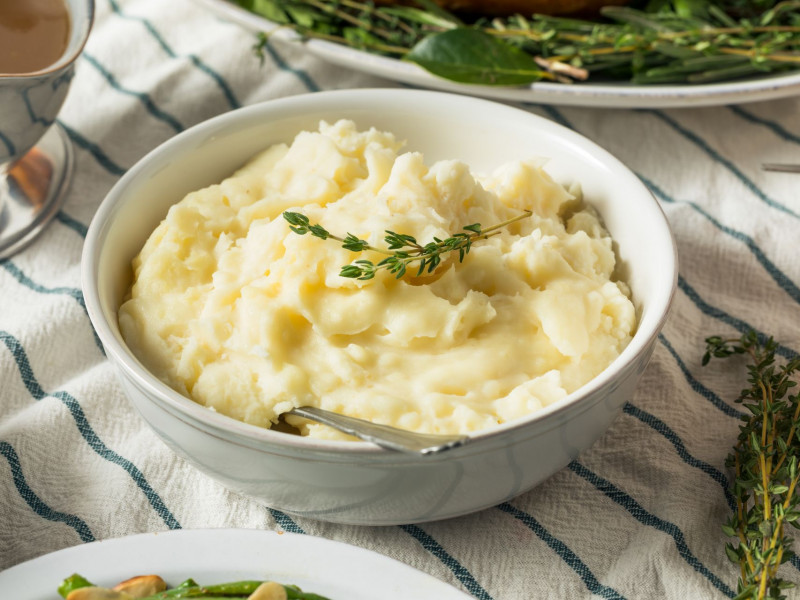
(33, 34)
(39, 43)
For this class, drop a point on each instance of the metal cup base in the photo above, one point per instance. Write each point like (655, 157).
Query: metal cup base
(33, 189)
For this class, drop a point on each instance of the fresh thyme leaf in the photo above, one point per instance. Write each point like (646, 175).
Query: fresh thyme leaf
(299, 224)
(397, 240)
(765, 466)
(354, 244)
(403, 249)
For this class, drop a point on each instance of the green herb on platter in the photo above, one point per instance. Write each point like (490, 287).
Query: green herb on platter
(402, 249)
(649, 42)
(765, 466)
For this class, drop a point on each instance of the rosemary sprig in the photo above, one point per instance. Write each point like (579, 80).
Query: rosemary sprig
(648, 42)
(402, 249)
(765, 466)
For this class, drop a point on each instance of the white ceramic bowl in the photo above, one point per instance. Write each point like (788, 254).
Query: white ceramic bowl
(353, 482)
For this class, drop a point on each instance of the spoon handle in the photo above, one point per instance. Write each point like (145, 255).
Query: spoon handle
(781, 168)
(382, 435)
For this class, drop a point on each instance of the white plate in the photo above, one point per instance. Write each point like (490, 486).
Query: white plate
(609, 95)
(332, 569)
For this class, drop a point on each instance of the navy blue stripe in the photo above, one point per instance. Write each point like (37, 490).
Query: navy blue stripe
(719, 314)
(786, 284)
(11, 150)
(771, 125)
(285, 521)
(461, 573)
(17, 274)
(75, 293)
(696, 385)
(554, 114)
(37, 504)
(287, 524)
(146, 101)
(302, 75)
(698, 141)
(226, 90)
(34, 118)
(658, 425)
(567, 555)
(72, 223)
(645, 518)
(95, 150)
(717, 475)
(85, 429)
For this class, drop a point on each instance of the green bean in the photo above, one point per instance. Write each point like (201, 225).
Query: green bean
(235, 589)
(73, 582)
(294, 593)
(191, 589)
(240, 589)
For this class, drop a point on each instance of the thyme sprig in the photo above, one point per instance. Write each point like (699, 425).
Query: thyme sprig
(764, 462)
(647, 42)
(402, 249)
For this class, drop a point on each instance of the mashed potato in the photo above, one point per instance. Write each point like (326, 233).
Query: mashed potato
(250, 319)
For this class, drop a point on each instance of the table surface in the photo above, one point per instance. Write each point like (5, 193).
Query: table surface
(636, 516)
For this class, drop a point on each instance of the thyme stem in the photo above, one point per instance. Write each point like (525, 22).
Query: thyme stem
(402, 249)
(764, 461)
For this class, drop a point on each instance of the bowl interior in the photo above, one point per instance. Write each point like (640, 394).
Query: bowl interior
(483, 134)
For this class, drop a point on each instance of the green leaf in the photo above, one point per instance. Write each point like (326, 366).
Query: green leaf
(729, 531)
(354, 244)
(268, 9)
(731, 552)
(430, 6)
(302, 15)
(765, 527)
(360, 38)
(746, 592)
(691, 8)
(423, 17)
(319, 231)
(73, 582)
(472, 56)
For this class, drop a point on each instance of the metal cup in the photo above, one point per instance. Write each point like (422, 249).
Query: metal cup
(35, 153)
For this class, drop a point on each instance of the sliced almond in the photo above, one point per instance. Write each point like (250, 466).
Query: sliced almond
(141, 586)
(269, 590)
(97, 593)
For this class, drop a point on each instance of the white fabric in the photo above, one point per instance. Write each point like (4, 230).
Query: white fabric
(636, 516)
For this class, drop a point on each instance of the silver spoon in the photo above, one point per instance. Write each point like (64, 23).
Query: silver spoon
(382, 435)
(781, 168)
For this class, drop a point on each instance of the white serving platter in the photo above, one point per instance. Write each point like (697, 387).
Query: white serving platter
(600, 95)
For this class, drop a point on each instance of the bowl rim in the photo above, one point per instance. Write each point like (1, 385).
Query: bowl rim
(200, 416)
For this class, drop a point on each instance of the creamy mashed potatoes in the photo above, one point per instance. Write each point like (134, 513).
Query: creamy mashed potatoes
(250, 319)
